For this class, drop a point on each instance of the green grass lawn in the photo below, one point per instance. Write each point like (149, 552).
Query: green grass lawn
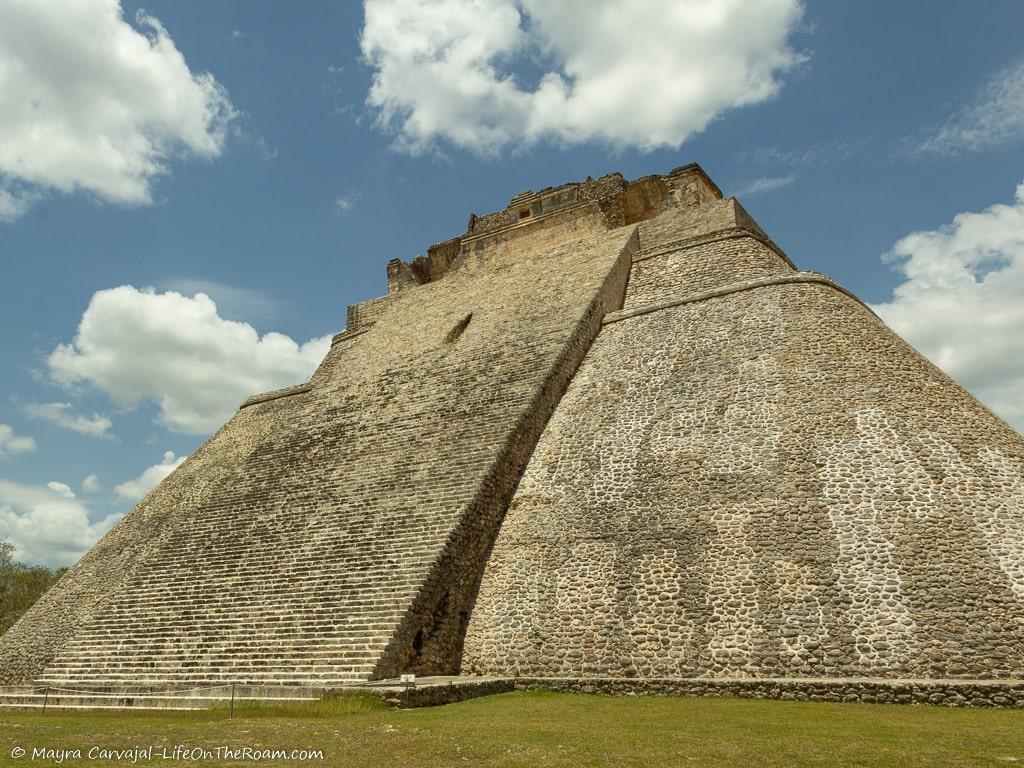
(548, 729)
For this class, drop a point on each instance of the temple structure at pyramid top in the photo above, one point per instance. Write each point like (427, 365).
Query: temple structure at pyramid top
(563, 212)
(609, 433)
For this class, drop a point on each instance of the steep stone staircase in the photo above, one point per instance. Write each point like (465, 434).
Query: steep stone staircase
(172, 628)
(342, 542)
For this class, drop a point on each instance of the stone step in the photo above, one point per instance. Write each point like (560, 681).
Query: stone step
(200, 663)
(61, 700)
(96, 707)
(227, 631)
(337, 588)
(340, 616)
(131, 674)
(130, 646)
(324, 618)
(413, 541)
(357, 596)
(209, 659)
(176, 663)
(335, 609)
(344, 566)
(100, 681)
(368, 589)
(341, 571)
(330, 621)
(205, 664)
(410, 540)
(341, 611)
(348, 581)
(246, 559)
(158, 679)
(287, 543)
(199, 651)
(261, 691)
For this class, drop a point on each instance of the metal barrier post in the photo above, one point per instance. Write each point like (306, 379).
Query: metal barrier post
(232, 699)
(46, 698)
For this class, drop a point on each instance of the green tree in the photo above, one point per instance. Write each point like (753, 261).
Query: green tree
(21, 585)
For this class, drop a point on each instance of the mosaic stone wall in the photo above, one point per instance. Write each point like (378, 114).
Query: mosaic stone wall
(765, 483)
(945, 693)
(728, 256)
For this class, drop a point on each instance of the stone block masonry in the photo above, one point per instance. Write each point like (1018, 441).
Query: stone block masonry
(751, 476)
(610, 439)
(334, 532)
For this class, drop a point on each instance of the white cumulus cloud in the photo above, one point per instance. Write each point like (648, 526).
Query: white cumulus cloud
(644, 73)
(961, 303)
(46, 525)
(88, 101)
(60, 414)
(177, 351)
(994, 117)
(91, 484)
(62, 488)
(151, 477)
(11, 442)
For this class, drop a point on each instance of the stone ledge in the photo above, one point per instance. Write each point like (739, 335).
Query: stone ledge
(441, 690)
(264, 397)
(434, 691)
(437, 691)
(951, 693)
(347, 334)
(748, 285)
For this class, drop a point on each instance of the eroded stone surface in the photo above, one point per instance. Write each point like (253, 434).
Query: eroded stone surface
(747, 478)
(334, 532)
(762, 483)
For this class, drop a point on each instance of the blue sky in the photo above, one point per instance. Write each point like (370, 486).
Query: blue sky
(275, 158)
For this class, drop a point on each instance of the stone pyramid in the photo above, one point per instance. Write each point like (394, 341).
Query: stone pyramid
(609, 432)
